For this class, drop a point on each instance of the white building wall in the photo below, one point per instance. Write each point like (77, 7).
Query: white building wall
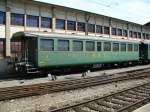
(17, 7)
(2, 5)
(2, 31)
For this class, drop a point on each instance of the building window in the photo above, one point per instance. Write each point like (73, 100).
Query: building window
(46, 22)
(125, 33)
(147, 36)
(63, 45)
(32, 21)
(71, 25)
(17, 19)
(81, 26)
(115, 46)
(131, 34)
(77, 46)
(136, 47)
(123, 47)
(130, 47)
(113, 31)
(90, 46)
(139, 35)
(107, 46)
(119, 32)
(60, 24)
(46, 45)
(144, 36)
(99, 46)
(2, 17)
(1, 47)
(106, 30)
(91, 28)
(15, 47)
(99, 29)
(135, 35)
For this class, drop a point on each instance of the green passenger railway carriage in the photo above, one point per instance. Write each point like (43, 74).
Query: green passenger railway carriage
(51, 51)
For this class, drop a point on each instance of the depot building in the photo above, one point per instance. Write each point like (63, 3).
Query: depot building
(33, 16)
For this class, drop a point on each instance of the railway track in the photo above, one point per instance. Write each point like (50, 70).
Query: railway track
(123, 101)
(50, 87)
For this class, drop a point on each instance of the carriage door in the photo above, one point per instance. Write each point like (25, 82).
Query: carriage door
(32, 50)
(143, 51)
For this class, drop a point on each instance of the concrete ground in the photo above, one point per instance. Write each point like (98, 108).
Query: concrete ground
(145, 108)
(67, 77)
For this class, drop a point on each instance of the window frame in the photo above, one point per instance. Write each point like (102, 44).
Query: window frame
(106, 30)
(91, 28)
(73, 47)
(81, 26)
(123, 45)
(17, 19)
(72, 25)
(34, 19)
(99, 29)
(106, 49)
(89, 46)
(47, 49)
(59, 48)
(15, 47)
(130, 50)
(45, 23)
(114, 47)
(60, 24)
(137, 49)
(98, 46)
(3, 17)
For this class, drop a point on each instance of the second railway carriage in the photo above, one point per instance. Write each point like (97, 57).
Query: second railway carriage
(144, 50)
(47, 51)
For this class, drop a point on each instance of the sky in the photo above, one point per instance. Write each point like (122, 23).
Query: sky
(137, 11)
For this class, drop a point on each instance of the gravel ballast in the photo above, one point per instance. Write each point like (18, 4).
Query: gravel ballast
(30, 104)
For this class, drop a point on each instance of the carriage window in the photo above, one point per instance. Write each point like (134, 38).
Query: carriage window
(63, 45)
(106, 30)
(130, 47)
(46, 22)
(77, 46)
(99, 29)
(123, 47)
(115, 46)
(90, 46)
(107, 46)
(32, 21)
(71, 25)
(135, 47)
(60, 24)
(17, 19)
(91, 28)
(1, 47)
(99, 46)
(113, 31)
(46, 45)
(2, 17)
(81, 26)
(15, 47)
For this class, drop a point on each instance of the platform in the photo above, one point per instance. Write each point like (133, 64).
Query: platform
(70, 76)
(145, 108)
